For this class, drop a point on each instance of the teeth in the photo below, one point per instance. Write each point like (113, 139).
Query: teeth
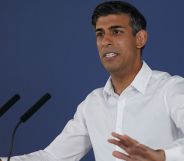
(109, 55)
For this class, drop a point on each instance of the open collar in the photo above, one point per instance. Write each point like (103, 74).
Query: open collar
(140, 81)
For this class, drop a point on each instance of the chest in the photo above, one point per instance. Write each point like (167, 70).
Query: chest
(143, 118)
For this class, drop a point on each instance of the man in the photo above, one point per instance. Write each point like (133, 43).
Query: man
(142, 109)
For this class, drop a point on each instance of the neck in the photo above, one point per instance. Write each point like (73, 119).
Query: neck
(121, 81)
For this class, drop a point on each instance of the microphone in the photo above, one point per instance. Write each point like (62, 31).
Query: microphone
(26, 116)
(35, 107)
(9, 104)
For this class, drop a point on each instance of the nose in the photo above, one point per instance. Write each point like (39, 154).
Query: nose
(107, 40)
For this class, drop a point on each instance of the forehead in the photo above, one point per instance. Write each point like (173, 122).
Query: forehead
(113, 20)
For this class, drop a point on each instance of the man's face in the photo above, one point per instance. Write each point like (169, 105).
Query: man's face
(116, 43)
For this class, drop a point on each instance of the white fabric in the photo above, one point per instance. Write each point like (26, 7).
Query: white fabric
(150, 110)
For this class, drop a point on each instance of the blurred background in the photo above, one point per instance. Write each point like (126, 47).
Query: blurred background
(49, 46)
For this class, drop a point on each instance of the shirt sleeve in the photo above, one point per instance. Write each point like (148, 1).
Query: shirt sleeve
(35, 156)
(74, 142)
(70, 145)
(175, 104)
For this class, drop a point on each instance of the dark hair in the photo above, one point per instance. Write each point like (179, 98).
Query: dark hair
(137, 20)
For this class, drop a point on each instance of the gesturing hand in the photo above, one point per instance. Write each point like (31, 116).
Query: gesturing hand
(135, 150)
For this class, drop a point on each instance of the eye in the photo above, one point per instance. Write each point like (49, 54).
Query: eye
(99, 34)
(116, 32)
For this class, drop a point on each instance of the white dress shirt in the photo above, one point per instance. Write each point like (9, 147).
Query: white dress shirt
(150, 110)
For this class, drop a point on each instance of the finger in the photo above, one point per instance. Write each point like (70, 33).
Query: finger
(123, 142)
(138, 151)
(126, 140)
(131, 140)
(137, 146)
(120, 155)
(119, 137)
(130, 145)
(118, 143)
(121, 145)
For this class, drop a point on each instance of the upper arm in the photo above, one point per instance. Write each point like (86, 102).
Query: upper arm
(175, 101)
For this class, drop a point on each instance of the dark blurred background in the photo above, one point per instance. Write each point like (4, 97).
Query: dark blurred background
(49, 46)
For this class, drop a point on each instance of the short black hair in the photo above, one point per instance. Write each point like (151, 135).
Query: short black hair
(137, 20)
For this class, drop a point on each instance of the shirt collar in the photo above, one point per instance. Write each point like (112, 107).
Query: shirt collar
(140, 82)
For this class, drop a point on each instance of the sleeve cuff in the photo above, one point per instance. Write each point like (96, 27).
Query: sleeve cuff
(174, 154)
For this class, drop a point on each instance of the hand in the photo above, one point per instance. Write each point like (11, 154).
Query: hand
(135, 151)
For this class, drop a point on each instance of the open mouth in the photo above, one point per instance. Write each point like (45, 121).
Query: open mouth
(110, 55)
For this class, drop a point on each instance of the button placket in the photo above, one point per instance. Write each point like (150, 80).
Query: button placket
(119, 127)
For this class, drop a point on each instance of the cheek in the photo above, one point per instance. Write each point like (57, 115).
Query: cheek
(98, 44)
(98, 47)
(127, 45)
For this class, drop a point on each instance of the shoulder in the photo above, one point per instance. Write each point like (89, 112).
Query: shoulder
(95, 94)
(91, 99)
(166, 77)
(170, 82)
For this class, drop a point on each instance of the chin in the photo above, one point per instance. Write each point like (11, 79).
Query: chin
(111, 70)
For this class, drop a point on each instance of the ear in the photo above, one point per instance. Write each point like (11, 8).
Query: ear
(141, 38)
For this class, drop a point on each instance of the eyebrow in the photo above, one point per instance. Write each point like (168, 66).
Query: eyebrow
(117, 26)
(112, 27)
(98, 30)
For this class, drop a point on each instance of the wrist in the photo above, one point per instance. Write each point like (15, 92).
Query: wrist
(162, 154)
